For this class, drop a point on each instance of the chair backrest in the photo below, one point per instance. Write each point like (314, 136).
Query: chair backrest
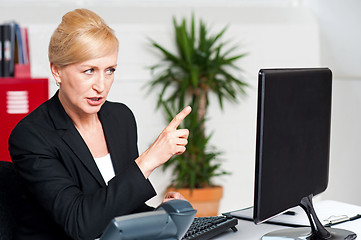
(10, 199)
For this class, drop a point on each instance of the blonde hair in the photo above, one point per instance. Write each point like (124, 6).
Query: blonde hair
(81, 35)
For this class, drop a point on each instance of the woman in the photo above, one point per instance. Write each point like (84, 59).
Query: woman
(77, 153)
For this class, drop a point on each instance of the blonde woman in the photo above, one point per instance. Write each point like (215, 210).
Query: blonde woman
(77, 153)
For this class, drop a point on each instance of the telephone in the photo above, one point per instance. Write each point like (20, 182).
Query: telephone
(169, 221)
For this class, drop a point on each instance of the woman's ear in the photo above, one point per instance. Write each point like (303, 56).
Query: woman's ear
(55, 70)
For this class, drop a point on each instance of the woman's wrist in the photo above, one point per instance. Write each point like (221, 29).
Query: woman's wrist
(143, 164)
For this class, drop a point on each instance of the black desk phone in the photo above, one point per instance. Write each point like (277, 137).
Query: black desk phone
(169, 221)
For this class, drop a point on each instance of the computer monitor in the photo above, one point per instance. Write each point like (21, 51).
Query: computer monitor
(292, 147)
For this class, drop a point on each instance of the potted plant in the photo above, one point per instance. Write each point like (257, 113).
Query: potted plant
(203, 65)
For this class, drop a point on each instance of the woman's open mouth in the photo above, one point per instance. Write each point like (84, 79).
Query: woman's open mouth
(95, 101)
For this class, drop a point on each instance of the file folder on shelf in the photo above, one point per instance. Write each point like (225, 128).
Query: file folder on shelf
(7, 57)
(14, 49)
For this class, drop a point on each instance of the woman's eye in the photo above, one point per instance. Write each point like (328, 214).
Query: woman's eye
(110, 71)
(89, 71)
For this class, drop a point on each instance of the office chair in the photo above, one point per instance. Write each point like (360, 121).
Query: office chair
(10, 199)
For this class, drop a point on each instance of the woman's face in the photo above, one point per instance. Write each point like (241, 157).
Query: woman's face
(84, 86)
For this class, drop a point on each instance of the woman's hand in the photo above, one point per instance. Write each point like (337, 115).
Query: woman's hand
(171, 141)
(172, 195)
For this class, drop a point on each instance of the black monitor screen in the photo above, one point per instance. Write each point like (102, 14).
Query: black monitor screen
(293, 138)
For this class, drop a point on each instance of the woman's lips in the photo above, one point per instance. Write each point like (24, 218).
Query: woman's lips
(95, 101)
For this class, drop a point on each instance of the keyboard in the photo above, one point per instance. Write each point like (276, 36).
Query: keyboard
(204, 228)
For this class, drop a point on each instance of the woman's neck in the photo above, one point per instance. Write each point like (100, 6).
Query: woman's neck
(81, 120)
(85, 123)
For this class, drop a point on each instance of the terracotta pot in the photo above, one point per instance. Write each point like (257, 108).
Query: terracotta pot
(205, 200)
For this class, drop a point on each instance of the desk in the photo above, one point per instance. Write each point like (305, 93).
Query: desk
(324, 209)
(246, 229)
(250, 231)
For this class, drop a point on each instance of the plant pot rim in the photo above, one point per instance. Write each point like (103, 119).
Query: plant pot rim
(210, 186)
(200, 194)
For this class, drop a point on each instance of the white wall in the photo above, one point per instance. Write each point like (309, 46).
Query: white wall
(340, 40)
(275, 35)
(345, 162)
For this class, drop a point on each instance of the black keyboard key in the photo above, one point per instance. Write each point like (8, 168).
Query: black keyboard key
(204, 228)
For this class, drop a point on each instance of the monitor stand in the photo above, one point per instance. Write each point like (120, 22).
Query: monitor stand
(317, 231)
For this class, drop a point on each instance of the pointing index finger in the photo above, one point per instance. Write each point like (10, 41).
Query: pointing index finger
(179, 118)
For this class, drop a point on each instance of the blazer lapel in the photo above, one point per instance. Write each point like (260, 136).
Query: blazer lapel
(112, 140)
(72, 138)
(115, 142)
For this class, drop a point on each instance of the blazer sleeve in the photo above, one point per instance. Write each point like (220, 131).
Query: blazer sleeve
(48, 171)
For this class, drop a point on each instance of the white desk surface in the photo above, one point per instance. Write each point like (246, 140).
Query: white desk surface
(250, 231)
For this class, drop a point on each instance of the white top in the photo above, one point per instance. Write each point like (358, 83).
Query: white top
(105, 167)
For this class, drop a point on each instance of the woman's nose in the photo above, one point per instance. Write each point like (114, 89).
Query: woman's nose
(99, 83)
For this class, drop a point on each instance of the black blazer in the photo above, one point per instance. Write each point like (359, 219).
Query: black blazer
(68, 198)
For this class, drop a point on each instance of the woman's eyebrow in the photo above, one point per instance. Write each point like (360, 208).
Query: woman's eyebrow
(88, 66)
(93, 66)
